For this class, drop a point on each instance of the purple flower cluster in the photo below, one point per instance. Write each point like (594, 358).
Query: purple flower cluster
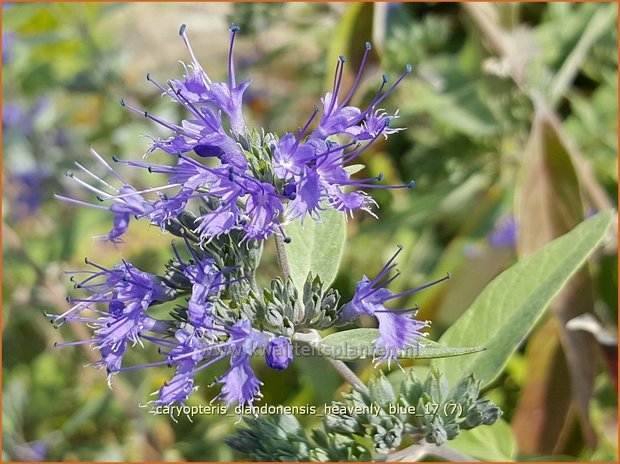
(129, 294)
(398, 329)
(261, 185)
(246, 181)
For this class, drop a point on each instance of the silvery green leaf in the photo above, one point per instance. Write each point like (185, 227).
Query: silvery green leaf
(349, 345)
(316, 247)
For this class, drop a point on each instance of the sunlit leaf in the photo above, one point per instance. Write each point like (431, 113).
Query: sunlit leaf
(353, 344)
(507, 310)
(316, 247)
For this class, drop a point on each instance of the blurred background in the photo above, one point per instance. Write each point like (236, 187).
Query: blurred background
(511, 117)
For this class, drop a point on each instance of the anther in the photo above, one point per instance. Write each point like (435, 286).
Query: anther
(380, 177)
(234, 28)
(411, 184)
(368, 46)
(182, 29)
(115, 158)
(288, 239)
(342, 58)
(122, 101)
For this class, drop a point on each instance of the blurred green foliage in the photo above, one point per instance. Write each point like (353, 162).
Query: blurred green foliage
(481, 73)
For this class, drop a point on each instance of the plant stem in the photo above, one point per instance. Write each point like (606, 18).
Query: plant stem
(282, 259)
(313, 338)
(349, 375)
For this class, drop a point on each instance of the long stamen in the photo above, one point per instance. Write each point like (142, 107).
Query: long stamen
(91, 263)
(321, 158)
(178, 256)
(388, 266)
(173, 127)
(408, 185)
(399, 311)
(160, 87)
(191, 52)
(140, 192)
(302, 131)
(417, 289)
(108, 167)
(337, 81)
(231, 68)
(151, 167)
(191, 249)
(357, 77)
(88, 186)
(394, 85)
(80, 342)
(358, 151)
(78, 202)
(94, 176)
(391, 279)
(189, 105)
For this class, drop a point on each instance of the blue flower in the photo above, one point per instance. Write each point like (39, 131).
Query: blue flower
(279, 353)
(505, 233)
(128, 293)
(398, 329)
(239, 383)
(207, 281)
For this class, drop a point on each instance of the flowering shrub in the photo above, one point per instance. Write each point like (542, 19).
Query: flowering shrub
(226, 190)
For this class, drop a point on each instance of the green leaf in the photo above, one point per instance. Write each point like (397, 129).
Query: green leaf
(494, 443)
(507, 310)
(316, 247)
(353, 344)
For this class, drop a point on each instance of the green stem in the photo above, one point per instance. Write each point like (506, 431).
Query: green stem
(282, 259)
(349, 375)
(313, 339)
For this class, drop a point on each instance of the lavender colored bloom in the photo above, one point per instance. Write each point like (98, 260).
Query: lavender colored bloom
(128, 293)
(125, 202)
(250, 182)
(289, 157)
(187, 354)
(204, 100)
(239, 383)
(338, 118)
(29, 191)
(398, 329)
(263, 207)
(8, 43)
(207, 281)
(505, 234)
(307, 173)
(318, 172)
(279, 353)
